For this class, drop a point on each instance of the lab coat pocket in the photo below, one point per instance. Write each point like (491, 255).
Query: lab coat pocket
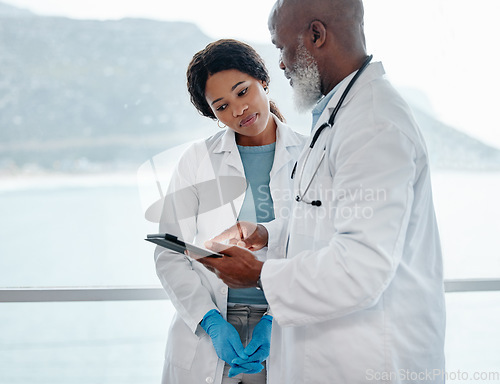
(181, 344)
(354, 343)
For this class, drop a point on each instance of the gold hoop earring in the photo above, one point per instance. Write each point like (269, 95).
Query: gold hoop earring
(218, 123)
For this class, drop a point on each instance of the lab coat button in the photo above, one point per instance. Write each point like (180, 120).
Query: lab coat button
(209, 380)
(223, 290)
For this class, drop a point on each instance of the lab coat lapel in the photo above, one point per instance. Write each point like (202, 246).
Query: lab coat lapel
(284, 138)
(231, 164)
(227, 148)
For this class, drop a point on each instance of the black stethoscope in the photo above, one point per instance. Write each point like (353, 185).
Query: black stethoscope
(300, 196)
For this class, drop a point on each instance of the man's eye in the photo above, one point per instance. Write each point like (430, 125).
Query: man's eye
(243, 92)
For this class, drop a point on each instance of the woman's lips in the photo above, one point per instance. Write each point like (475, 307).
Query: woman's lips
(246, 122)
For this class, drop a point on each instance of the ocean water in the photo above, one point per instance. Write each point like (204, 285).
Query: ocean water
(89, 230)
(74, 232)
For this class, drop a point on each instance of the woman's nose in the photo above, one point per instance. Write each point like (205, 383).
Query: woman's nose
(239, 109)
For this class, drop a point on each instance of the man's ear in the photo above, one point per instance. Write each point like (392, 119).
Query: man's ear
(317, 31)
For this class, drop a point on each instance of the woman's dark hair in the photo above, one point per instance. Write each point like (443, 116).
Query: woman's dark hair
(222, 55)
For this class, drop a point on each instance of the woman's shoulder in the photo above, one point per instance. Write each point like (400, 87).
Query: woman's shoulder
(203, 146)
(214, 140)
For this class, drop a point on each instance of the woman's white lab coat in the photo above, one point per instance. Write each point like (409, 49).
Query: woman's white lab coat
(360, 298)
(201, 213)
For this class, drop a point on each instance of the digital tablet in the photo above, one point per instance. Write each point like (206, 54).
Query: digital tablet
(172, 242)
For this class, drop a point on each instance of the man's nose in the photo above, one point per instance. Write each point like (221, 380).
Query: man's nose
(282, 66)
(280, 61)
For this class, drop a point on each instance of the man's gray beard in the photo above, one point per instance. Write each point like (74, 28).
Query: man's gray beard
(306, 81)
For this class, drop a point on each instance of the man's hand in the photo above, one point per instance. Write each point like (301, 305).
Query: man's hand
(238, 268)
(244, 234)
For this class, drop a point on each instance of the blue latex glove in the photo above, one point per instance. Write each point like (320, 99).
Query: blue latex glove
(225, 337)
(257, 350)
(250, 368)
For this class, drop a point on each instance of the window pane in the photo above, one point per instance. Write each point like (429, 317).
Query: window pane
(75, 231)
(469, 222)
(83, 342)
(123, 342)
(472, 336)
(434, 52)
(83, 102)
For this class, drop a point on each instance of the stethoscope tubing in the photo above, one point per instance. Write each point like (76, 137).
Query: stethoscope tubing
(331, 121)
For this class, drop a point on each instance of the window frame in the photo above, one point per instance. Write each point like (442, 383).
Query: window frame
(63, 294)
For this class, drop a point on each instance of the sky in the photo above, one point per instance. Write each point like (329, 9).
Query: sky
(444, 48)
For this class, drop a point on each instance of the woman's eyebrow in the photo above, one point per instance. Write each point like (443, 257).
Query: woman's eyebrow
(219, 99)
(235, 85)
(232, 89)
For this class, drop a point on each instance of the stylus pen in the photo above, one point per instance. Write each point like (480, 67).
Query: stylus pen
(237, 222)
(239, 229)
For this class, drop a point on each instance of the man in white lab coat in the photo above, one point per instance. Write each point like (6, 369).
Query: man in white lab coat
(359, 298)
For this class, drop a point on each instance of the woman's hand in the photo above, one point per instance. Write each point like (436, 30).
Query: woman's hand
(225, 338)
(243, 234)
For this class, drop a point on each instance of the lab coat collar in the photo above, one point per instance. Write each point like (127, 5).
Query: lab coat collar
(285, 137)
(226, 145)
(227, 142)
(373, 71)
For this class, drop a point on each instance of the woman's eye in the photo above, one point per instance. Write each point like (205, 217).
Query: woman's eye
(222, 107)
(243, 92)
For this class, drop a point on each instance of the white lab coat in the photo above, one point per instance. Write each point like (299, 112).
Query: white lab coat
(190, 356)
(360, 297)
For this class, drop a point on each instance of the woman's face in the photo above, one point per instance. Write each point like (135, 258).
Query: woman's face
(239, 101)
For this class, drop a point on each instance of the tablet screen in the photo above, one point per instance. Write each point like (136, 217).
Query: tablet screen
(172, 242)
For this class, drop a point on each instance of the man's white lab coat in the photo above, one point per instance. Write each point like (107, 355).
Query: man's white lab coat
(360, 298)
(201, 210)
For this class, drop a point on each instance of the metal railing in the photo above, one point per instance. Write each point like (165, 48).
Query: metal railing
(39, 294)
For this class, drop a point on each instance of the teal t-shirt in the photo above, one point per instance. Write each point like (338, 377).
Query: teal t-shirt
(257, 206)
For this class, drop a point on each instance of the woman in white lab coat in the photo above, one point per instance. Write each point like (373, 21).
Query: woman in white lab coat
(208, 192)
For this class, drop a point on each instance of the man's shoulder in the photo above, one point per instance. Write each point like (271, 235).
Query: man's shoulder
(378, 108)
